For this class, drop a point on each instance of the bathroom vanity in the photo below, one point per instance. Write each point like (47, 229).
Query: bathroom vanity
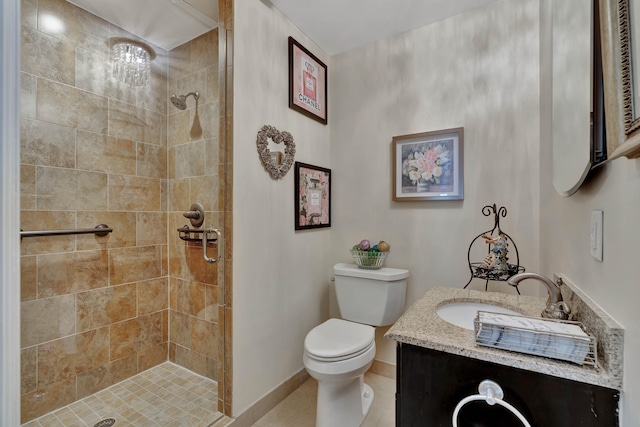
(438, 365)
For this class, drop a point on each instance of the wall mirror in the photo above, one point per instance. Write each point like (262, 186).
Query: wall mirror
(572, 94)
(578, 130)
(620, 26)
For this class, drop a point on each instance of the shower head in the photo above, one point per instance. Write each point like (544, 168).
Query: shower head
(180, 101)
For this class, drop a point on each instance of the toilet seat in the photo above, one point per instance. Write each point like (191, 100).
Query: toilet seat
(338, 339)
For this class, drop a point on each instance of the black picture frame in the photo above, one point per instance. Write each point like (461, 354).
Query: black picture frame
(307, 83)
(312, 192)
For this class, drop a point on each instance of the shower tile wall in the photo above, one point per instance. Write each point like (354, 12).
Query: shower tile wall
(195, 164)
(94, 309)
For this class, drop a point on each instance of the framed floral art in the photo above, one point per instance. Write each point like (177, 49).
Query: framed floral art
(428, 166)
(312, 196)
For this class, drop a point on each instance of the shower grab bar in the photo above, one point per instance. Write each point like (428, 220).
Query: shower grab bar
(99, 230)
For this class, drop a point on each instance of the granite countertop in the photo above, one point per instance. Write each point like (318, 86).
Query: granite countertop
(421, 326)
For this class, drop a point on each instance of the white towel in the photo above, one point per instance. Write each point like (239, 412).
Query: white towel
(565, 341)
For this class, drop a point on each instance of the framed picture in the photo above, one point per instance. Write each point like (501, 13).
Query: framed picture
(312, 196)
(307, 83)
(428, 166)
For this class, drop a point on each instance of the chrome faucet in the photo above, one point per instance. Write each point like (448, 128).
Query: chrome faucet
(556, 307)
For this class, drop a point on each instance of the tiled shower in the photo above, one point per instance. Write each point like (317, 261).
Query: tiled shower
(97, 310)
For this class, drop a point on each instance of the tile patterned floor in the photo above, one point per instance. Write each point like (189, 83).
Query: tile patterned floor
(299, 408)
(166, 395)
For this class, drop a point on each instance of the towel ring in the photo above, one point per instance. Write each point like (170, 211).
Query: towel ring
(491, 393)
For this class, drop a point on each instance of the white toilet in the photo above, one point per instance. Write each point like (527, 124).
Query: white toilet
(338, 352)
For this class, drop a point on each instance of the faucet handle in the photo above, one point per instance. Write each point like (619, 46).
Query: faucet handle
(559, 310)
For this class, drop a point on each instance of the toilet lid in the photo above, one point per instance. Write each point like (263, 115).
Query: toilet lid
(338, 339)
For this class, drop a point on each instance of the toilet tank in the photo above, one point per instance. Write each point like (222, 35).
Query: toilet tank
(371, 297)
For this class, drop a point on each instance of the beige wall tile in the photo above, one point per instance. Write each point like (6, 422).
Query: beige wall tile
(47, 144)
(60, 274)
(67, 357)
(94, 74)
(135, 335)
(179, 126)
(191, 360)
(212, 369)
(151, 228)
(28, 369)
(132, 193)
(179, 198)
(204, 337)
(46, 56)
(151, 161)
(191, 298)
(46, 319)
(134, 264)
(211, 303)
(173, 293)
(212, 163)
(27, 187)
(130, 122)
(81, 28)
(153, 295)
(46, 399)
(28, 91)
(204, 189)
(152, 356)
(204, 50)
(46, 220)
(65, 105)
(208, 115)
(66, 189)
(189, 159)
(180, 328)
(105, 306)
(28, 278)
(123, 234)
(102, 153)
(180, 61)
(198, 269)
(29, 13)
(97, 379)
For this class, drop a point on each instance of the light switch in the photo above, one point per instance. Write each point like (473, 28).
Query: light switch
(596, 234)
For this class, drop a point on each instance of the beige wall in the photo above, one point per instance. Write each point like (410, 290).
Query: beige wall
(280, 276)
(565, 237)
(463, 72)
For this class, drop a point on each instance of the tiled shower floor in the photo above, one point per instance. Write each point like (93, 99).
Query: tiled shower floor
(165, 395)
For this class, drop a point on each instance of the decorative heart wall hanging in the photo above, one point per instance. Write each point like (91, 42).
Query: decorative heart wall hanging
(276, 170)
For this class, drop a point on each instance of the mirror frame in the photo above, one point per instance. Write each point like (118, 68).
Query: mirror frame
(623, 133)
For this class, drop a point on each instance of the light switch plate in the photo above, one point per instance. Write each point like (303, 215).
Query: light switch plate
(596, 234)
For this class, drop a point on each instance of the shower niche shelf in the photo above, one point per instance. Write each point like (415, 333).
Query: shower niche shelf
(495, 266)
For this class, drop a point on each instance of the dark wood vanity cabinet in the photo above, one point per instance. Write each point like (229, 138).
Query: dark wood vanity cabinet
(431, 383)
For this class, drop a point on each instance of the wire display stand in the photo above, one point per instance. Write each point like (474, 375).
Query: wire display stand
(495, 267)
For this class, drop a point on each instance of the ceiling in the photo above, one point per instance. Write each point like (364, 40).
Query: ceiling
(164, 23)
(340, 25)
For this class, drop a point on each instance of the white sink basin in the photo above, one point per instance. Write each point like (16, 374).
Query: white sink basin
(463, 313)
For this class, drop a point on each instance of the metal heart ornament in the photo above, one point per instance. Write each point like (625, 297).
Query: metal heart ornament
(276, 170)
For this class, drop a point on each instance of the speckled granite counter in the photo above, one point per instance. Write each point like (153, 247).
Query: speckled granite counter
(421, 326)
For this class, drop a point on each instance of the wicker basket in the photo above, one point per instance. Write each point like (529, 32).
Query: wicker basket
(369, 260)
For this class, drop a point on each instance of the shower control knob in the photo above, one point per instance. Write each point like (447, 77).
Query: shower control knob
(192, 214)
(195, 215)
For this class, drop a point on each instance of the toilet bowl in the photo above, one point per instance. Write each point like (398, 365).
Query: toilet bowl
(338, 352)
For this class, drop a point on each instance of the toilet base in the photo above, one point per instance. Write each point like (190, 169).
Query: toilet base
(343, 403)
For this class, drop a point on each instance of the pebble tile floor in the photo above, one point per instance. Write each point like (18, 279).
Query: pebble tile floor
(166, 395)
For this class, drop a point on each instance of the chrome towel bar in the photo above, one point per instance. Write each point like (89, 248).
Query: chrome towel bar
(99, 230)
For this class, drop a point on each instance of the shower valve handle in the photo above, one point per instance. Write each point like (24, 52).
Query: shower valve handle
(192, 214)
(195, 215)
